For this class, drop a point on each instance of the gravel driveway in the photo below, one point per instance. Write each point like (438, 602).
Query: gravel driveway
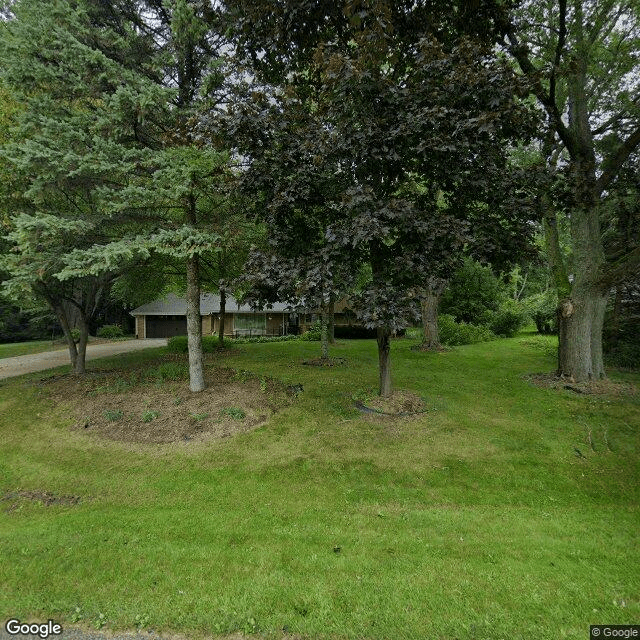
(17, 365)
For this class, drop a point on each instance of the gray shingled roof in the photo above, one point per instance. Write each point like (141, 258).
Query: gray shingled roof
(173, 305)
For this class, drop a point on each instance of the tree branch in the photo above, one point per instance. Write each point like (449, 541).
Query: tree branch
(612, 164)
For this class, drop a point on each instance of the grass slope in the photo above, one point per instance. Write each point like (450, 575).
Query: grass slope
(476, 520)
(10, 349)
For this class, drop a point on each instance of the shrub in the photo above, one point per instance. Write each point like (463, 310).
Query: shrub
(456, 333)
(210, 344)
(313, 333)
(471, 292)
(625, 355)
(542, 309)
(508, 319)
(75, 334)
(110, 331)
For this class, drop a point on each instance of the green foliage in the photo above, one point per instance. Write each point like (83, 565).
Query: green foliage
(260, 339)
(168, 371)
(234, 412)
(112, 415)
(472, 291)
(507, 320)
(457, 333)
(149, 415)
(542, 309)
(313, 333)
(75, 334)
(110, 331)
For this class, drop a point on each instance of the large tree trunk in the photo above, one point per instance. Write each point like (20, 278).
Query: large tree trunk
(194, 326)
(223, 309)
(384, 347)
(581, 316)
(430, 333)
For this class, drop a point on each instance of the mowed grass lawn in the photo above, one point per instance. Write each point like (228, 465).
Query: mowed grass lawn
(11, 349)
(477, 520)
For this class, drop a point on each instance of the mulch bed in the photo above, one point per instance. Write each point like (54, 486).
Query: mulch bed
(604, 387)
(110, 406)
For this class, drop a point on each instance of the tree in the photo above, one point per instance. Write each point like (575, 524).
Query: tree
(111, 90)
(390, 90)
(581, 57)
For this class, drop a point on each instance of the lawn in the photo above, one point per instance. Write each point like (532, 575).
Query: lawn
(507, 511)
(11, 349)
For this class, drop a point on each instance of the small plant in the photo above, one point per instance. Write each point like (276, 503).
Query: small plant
(149, 415)
(142, 620)
(112, 415)
(76, 616)
(263, 385)
(101, 620)
(75, 334)
(234, 412)
(199, 416)
(110, 331)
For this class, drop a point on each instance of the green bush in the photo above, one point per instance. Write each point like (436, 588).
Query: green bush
(472, 291)
(625, 355)
(542, 309)
(456, 333)
(258, 339)
(313, 333)
(75, 334)
(508, 319)
(110, 331)
(210, 344)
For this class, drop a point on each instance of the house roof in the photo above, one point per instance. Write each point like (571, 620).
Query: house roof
(173, 305)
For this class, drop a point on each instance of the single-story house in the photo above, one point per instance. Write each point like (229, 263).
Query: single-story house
(167, 317)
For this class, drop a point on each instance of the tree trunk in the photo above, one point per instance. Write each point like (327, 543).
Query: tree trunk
(332, 320)
(324, 333)
(580, 321)
(194, 326)
(581, 316)
(79, 366)
(66, 330)
(384, 347)
(429, 308)
(223, 309)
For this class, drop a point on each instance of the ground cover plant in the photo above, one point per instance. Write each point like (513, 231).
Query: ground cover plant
(505, 510)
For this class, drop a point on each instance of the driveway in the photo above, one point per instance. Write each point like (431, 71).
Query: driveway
(16, 366)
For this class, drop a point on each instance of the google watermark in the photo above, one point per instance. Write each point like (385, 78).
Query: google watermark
(41, 629)
(598, 631)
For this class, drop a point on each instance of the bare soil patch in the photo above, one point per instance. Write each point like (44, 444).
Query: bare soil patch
(14, 498)
(130, 406)
(399, 404)
(324, 362)
(592, 387)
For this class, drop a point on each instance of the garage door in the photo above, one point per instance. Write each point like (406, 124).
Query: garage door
(166, 326)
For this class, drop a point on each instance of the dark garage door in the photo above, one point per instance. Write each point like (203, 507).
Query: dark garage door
(166, 326)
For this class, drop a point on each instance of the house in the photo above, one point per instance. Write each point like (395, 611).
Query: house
(167, 317)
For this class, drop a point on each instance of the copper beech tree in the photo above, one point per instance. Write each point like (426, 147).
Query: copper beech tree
(383, 126)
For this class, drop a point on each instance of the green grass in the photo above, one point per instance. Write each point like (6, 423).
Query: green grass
(25, 348)
(476, 520)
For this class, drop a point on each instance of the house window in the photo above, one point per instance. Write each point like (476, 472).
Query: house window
(250, 323)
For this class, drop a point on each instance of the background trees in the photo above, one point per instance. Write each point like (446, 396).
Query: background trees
(581, 58)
